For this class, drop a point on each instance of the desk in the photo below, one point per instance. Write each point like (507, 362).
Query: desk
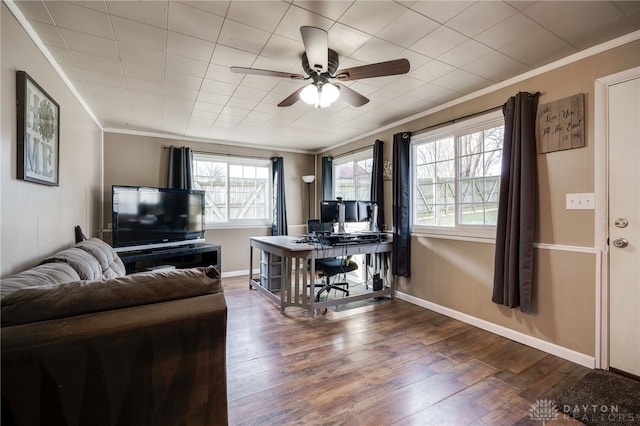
(297, 266)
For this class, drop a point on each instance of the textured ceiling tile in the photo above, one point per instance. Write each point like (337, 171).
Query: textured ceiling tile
(194, 22)
(79, 18)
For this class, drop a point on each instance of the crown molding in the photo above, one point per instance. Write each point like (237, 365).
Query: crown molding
(594, 50)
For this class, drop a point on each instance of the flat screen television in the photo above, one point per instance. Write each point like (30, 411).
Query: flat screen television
(145, 217)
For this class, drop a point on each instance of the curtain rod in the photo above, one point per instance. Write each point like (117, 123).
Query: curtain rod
(353, 151)
(464, 117)
(454, 120)
(225, 154)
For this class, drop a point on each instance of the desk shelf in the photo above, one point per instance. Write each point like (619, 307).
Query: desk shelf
(270, 271)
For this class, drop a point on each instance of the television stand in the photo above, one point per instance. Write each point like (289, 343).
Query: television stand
(186, 256)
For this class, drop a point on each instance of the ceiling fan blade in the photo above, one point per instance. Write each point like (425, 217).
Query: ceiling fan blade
(292, 98)
(316, 45)
(268, 73)
(380, 69)
(351, 96)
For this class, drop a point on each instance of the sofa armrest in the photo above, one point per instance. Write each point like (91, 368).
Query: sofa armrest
(162, 363)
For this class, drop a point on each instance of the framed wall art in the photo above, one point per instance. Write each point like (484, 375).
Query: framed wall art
(561, 124)
(38, 132)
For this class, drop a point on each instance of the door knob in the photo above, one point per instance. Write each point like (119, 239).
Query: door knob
(621, 222)
(620, 242)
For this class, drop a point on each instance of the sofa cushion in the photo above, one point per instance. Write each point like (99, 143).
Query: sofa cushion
(33, 304)
(106, 256)
(41, 275)
(87, 266)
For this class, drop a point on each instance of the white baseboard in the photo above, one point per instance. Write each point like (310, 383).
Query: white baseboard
(551, 348)
(238, 273)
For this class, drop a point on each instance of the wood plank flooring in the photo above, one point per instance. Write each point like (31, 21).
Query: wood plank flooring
(390, 363)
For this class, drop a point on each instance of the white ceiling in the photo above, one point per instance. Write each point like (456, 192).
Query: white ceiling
(163, 66)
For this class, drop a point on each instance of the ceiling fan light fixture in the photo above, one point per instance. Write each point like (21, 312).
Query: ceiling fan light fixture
(321, 95)
(328, 94)
(309, 94)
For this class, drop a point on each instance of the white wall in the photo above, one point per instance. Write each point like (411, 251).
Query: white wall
(37, 220)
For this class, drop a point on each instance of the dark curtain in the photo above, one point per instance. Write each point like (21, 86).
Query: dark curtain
(279, 225)
(327, 178)
(180, 168)
(377, 181)
(513, 273)
(401, 249)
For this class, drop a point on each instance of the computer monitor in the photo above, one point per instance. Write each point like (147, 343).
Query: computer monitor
(314, 226)
(328, 211)
(364, 211)
(354, 211)
(351, 213)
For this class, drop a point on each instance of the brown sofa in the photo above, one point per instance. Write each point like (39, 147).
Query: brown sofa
(85, 344)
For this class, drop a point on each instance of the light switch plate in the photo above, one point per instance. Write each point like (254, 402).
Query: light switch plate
(581, 201)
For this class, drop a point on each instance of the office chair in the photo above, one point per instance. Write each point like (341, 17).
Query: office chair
(332, 267)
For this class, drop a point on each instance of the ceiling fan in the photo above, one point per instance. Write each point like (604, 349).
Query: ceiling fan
(320, 63)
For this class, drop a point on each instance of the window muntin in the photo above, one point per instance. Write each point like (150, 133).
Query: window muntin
(434, 195)
(480, 157)
(352, 176)
(456, 177)
(237, 190)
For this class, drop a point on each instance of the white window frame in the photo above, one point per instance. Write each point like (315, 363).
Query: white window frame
(230, 160)
(355, 157)
(458, 231)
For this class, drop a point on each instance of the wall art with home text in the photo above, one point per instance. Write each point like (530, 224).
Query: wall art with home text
(38, 132)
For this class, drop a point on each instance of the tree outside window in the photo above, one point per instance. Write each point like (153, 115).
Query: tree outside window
(352, 177)
(237, 190)
(456, 176)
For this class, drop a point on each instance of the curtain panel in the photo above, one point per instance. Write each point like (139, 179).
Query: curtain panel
(513, 273)
(180, 174)
(279, 224)
(327, 178)
(377, 181)
(401, 248)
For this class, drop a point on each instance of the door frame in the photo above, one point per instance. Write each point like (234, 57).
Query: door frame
(601, 187)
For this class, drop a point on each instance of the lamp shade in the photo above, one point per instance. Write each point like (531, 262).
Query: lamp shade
(308, 178)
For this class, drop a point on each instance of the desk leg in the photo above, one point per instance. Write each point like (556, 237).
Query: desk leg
(285, 281)
(388, 275)
(312, 286)
(250, 265)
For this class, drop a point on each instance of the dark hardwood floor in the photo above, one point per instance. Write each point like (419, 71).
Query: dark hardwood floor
(390, 363)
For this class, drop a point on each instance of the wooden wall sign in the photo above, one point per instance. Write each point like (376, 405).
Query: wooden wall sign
(561, 124)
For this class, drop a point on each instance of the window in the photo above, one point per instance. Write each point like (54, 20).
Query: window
(352, 176)
(237, 190)
(456, 177)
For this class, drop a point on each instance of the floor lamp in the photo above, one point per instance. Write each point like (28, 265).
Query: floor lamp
(308, 179)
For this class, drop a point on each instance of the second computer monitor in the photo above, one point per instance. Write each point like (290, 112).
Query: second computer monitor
(354, 211)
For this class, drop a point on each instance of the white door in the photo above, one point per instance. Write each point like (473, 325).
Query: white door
(624, 226)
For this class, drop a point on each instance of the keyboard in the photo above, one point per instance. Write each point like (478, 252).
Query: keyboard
(354, 238)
